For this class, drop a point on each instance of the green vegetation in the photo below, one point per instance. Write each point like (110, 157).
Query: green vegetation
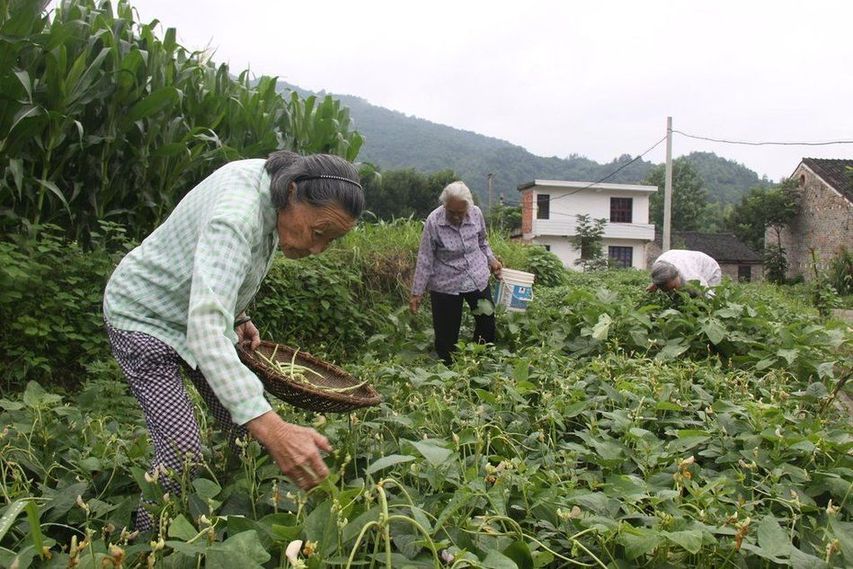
(764, 208)
(404, 193)
(608, 427)
(689, 196)
(726, 180)
(101, 120)
(588, 241)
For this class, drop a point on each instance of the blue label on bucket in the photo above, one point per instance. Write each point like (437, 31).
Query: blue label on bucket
(521, 295)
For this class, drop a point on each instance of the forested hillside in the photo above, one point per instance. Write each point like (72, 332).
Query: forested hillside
(726, 180)
(394, 140)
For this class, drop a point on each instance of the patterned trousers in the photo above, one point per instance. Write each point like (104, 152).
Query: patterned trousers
(153, 369)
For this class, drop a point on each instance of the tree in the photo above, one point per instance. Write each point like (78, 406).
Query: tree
(588, 240)
(764, 208)
(689, 198)
(404, 193)
(505, 218)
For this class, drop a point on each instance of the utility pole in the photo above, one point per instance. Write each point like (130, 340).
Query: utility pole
(490, 176)
(667, 191)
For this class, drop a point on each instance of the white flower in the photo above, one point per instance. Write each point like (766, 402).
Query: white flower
(446, 556)
(292, 553)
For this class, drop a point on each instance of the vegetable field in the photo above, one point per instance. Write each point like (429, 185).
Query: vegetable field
(607, 429)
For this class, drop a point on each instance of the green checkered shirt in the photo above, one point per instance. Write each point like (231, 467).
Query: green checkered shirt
(188, 280)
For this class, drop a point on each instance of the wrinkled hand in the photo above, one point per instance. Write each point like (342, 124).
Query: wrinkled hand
(651, 288)
(415, 303)
(295, 449)
(248, 336)
(495, 266)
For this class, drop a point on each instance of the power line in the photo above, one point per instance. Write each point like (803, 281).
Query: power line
(747, 143)
(601, 180)
(611, 174)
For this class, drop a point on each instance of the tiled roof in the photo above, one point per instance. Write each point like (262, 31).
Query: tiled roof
(723, 247)
(834, 172)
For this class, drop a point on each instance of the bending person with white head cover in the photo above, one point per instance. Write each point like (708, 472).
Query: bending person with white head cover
(677, 267)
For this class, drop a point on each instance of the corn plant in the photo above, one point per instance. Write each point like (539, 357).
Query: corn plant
(102, 119)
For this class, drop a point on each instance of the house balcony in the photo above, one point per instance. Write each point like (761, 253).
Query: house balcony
(568, 227)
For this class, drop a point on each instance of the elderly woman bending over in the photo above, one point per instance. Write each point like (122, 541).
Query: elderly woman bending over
(178, 301)
(675, 268)
(454, 261)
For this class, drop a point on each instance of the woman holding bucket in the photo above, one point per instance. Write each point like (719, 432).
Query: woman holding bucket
(454, 261)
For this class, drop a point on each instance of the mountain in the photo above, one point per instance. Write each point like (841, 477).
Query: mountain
(394, 140)
(726, 180)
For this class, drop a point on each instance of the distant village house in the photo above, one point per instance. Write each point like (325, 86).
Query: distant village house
(825, 219)
(549, 210)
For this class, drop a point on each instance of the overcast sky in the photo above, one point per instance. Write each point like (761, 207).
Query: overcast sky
(596, 78)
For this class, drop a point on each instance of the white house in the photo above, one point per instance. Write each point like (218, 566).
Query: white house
(549, 210)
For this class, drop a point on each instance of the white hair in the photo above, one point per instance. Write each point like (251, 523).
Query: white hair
(456, 190)
(663, 272)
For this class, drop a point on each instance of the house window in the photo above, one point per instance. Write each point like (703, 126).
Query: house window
(623, 257)
(621, 210)
(543, 206)
(744, 273)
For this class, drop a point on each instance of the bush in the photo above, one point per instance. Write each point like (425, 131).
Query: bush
(775, 264)
(840, 273)
(314, 304)
(547, 267)
(51, 293)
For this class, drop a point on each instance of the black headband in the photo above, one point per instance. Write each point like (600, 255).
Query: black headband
(330, 177)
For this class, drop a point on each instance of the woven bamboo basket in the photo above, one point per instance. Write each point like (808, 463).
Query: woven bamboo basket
(309, 394)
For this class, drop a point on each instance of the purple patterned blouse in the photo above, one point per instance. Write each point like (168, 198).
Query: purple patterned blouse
(453, 259)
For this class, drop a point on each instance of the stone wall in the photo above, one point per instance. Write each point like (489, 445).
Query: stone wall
(824, 223)
(732, 271)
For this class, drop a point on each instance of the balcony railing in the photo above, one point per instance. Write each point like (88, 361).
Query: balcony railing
(568, 227)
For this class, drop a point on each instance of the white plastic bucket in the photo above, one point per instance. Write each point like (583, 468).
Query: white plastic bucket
(514, 290)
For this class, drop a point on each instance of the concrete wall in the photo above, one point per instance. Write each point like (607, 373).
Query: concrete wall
(825, 224)
(564, 249)
(567, 204)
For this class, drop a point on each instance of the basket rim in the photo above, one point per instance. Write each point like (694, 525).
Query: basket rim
(268, 374)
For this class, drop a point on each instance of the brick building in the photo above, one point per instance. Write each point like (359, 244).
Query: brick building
(737, 261)
(825, 220)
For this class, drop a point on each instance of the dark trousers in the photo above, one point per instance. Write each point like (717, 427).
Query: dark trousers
(153, 372)
(447, 318)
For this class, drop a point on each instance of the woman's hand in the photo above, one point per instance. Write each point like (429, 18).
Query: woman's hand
(495, 266)
(248, 336)
(295, 449)
(415, 303)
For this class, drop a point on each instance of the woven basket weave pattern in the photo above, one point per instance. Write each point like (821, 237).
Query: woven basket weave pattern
(306, 395)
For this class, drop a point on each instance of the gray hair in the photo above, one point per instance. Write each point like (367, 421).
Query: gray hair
(456, 190)
(338, 184)
(663, 272)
